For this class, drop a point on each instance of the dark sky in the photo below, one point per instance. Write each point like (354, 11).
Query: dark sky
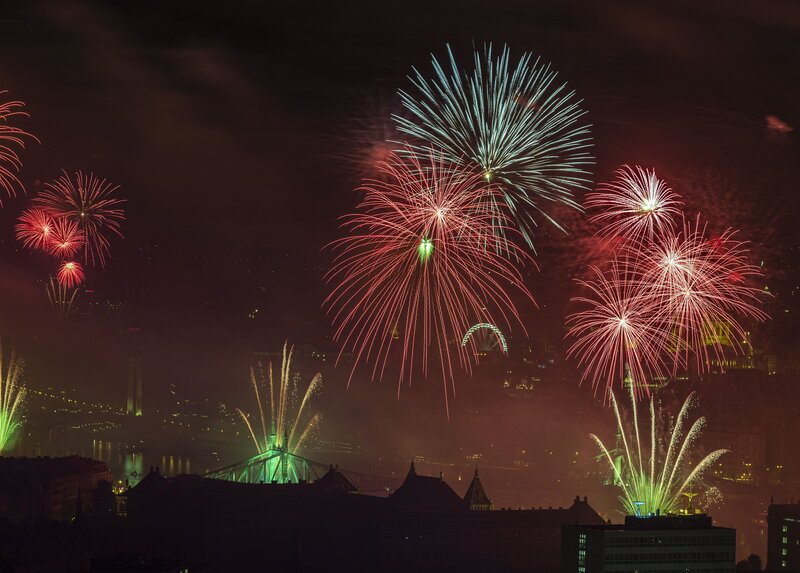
(235, 129)
(218, 121)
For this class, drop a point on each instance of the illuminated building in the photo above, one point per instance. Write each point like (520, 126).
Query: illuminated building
(783, 537)
(134, 404)
(664, 543)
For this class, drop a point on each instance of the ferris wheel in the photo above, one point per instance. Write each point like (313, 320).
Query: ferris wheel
(486, 338)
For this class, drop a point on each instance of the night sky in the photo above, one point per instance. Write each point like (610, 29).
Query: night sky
(238, 132)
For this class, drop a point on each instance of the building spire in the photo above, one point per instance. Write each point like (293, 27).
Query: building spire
(476, 497)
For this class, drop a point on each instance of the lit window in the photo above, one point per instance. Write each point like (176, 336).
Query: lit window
(784, 540)
(784, 528)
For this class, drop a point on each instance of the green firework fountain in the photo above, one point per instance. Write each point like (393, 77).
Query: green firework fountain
(285, 424)
(654, 476)
(11, 397)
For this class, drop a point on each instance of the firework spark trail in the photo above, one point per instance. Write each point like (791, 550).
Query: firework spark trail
(287, 426)
(636, 205)
(259, 402)
(34, 228)
(671, 291)
(70, 274)
(61, 298)
(65, 238)
(420, 259)
(11, 138)
(701, 285)
(509, 122)
(12, 396)
(619, 329)
(656, 485)
(71, 218)
(709, 498)
(87, 200)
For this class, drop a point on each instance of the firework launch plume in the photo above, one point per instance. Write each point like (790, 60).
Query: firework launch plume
(61, 297)
(654, 473)
(509, 121)
(420, 266)
(12, 396)
(284, 421)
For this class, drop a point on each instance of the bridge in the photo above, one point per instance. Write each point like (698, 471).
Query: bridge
(277, 465)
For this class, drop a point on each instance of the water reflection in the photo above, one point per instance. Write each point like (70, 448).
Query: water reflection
(129, 463)
(133, 468)
(175, 465)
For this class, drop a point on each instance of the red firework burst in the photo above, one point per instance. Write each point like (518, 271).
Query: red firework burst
(66, 238)
(620, 329)
(11, 138)
(673, 291)
(636, 205)
(703, 287)
(34, 228)
(420, 266)
(666, 303)
(70, 274)
(87, 201)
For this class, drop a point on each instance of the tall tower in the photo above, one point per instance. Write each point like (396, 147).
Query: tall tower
(134, 404)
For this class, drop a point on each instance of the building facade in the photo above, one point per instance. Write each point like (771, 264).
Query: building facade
(327, 525)
(783, 537)
(36, 489)
(667, 544)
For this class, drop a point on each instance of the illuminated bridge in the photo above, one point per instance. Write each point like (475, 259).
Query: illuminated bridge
(276, 465)
(280, 466)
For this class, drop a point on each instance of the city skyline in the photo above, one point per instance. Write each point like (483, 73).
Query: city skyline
(237, 141)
